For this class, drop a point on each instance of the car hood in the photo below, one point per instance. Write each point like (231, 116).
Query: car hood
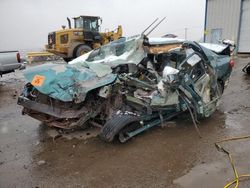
(67, 82)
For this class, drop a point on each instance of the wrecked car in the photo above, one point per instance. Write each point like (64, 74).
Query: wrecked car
(127, 86)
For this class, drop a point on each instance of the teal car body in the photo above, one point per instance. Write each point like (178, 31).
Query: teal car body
(127, 81)
(71, 82)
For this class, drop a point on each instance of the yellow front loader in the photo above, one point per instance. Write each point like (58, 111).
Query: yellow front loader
(84, 36)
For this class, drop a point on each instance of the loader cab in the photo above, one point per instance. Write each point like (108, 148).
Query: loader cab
(89, 23)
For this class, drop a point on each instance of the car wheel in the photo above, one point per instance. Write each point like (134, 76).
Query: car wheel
(82, 49)
(118, 125)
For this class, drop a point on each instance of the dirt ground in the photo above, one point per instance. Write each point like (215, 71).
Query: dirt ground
(32, 155)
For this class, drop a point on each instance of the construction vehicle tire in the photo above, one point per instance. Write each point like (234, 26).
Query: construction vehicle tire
(82, 49)
(67, 59)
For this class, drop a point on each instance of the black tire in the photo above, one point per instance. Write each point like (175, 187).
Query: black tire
(67, 59)
(82, 49)
(113, 126)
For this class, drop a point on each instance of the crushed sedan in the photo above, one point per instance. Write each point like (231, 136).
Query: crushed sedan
(128, 86)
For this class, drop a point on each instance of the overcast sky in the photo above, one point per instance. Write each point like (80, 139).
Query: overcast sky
(26, 23)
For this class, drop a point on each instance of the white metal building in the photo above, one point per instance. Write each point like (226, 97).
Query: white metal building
(228, 19)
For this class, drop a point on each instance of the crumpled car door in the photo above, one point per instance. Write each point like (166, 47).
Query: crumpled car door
(200, 82)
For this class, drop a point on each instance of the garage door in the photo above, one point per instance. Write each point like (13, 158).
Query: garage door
(244, 42)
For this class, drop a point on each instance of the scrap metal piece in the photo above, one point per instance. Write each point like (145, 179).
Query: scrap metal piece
(155, 26)
(159, 49)
(246, 69)
(149, 26)
(49, 110)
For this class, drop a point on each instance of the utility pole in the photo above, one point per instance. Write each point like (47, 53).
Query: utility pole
(186, 33)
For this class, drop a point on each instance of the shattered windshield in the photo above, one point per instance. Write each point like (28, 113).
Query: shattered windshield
(111, 50)
(123, 51)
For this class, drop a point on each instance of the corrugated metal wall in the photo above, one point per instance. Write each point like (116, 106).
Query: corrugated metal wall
(244, 35)
(222, 19)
